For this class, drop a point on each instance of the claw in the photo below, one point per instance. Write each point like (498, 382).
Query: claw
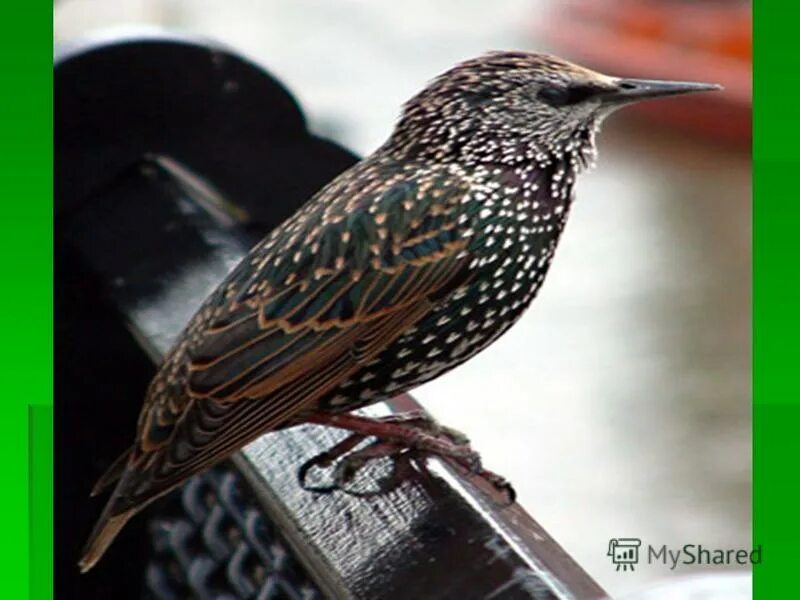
(302, 473)
(326, 459)
(502, 485)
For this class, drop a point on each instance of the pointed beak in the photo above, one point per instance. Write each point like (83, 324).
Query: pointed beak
(625, 91)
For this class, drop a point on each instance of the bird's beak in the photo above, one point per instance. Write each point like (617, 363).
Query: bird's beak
(625, 91)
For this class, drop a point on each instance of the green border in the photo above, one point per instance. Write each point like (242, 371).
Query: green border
(40, 488)
(776, 297)
(26, 300)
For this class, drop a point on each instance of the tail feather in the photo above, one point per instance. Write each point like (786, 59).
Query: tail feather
(112, 474)
(103, 534)
(114, 516)
(120, 508)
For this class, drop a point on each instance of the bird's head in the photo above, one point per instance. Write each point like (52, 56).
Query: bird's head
(505, 105)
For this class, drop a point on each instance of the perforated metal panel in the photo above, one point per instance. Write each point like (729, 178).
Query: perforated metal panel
(213, 542)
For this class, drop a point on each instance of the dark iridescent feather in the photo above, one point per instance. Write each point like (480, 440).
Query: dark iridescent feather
(299, 299)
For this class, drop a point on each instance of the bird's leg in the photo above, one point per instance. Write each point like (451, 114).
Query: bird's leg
(406, 434)
(350, 464)
(423, 420)
(399, 433)
(327, 458)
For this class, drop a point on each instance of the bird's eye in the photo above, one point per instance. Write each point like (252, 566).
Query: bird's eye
(558, 96)
(554, 96)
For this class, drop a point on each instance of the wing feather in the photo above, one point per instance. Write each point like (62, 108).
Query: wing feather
(305, 310)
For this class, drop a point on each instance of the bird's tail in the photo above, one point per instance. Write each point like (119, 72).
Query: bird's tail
(102, 535)
(112, 474)
(121, 506)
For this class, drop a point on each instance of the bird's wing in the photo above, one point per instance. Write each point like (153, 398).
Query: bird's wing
(309, 306)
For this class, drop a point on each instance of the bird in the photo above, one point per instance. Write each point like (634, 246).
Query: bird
(403, 267)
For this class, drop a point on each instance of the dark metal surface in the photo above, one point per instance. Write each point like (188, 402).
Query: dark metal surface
(430, 538)
(159, 243)
(197, 102)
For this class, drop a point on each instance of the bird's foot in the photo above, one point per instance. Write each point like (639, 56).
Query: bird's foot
(405, 438)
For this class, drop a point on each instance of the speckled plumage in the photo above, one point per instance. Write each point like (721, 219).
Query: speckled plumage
(402, 268)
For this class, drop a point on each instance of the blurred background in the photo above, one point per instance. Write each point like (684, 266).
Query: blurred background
(620, 404)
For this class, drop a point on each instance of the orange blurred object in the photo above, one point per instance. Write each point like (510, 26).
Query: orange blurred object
(707, 40)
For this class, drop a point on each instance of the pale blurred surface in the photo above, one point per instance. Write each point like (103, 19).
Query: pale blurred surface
(620, 404)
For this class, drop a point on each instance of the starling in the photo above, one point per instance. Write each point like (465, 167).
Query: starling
(403, 267)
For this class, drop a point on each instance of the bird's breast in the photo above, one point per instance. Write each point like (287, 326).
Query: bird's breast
(513, 224)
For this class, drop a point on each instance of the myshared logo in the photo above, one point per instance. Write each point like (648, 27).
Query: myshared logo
(697, 554)
(625, 554)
